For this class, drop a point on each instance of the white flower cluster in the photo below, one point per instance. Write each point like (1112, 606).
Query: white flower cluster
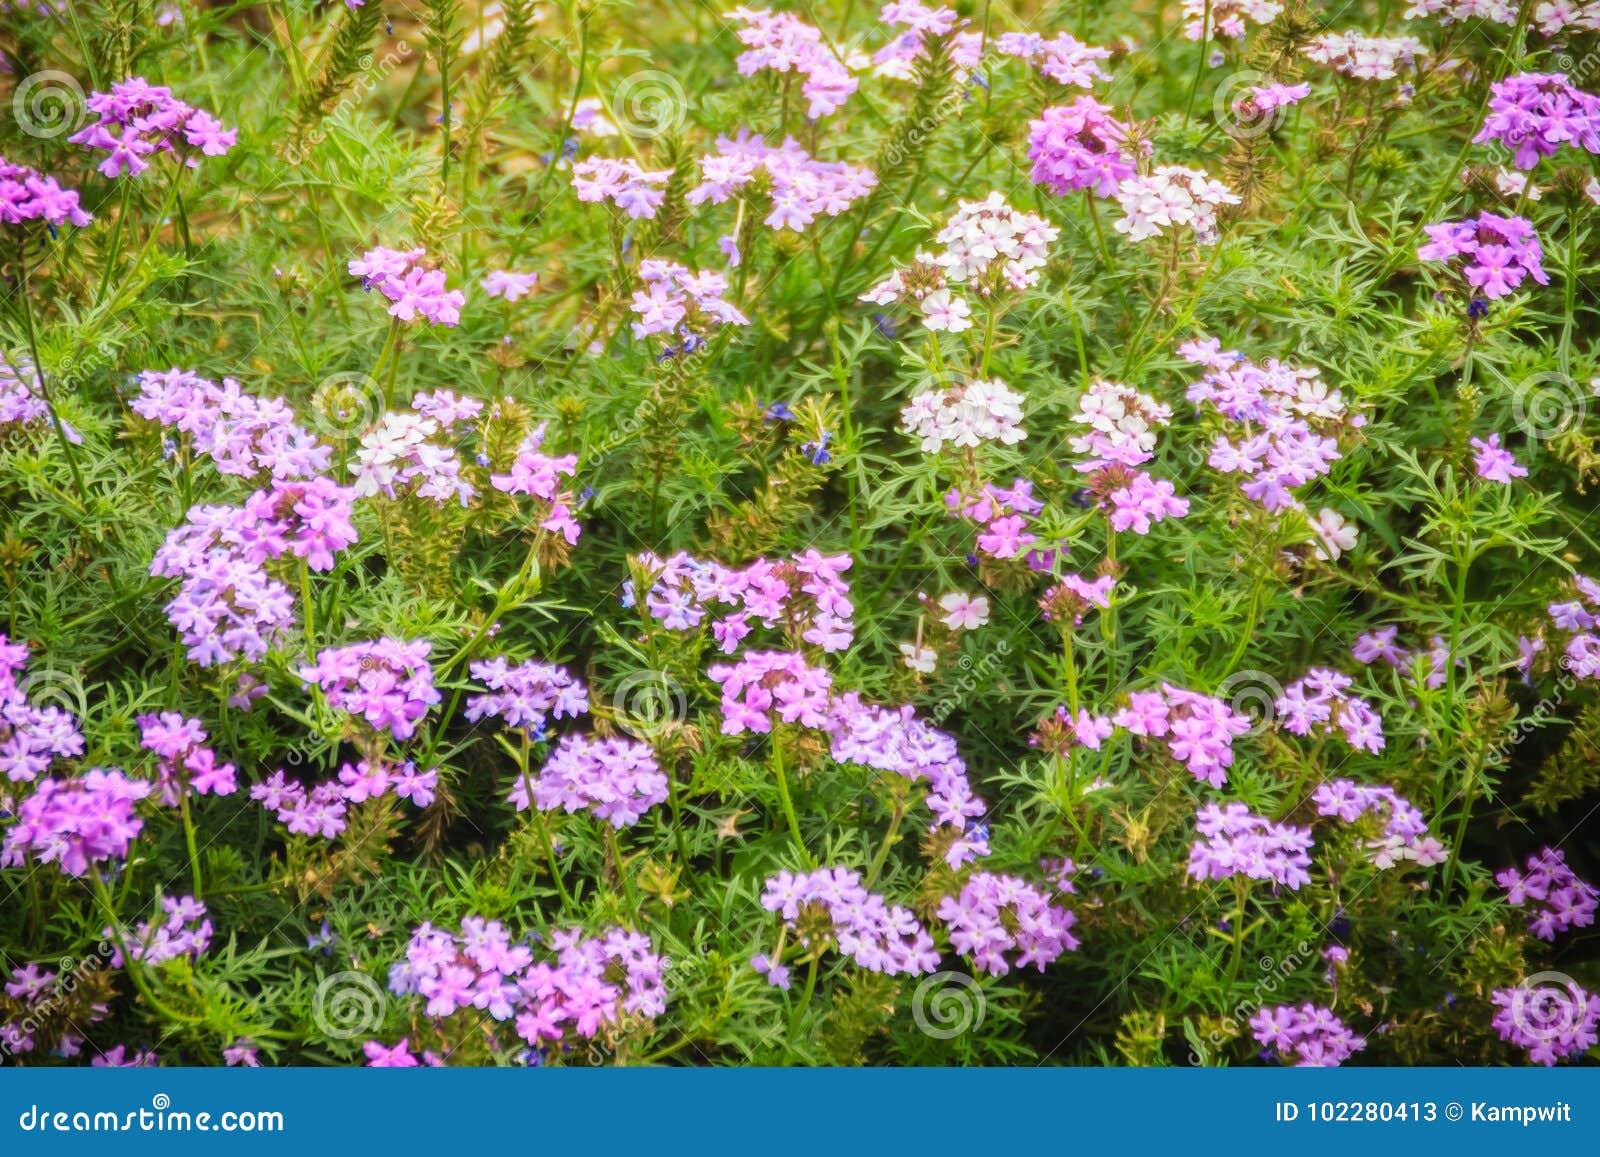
(1365, 57)
(1122, 425)
(399, 451)
(1551, 17)
(1172, 197)
(988, 246)
(983, 411)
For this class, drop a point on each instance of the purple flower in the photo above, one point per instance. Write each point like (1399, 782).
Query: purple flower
(137, 120)
(387, 682)
(1557, 898)
(1233, 842)
(878, 936)
(76, 822)
(996, 914)
(1498, 251)
(616, 779)
(1534, 114)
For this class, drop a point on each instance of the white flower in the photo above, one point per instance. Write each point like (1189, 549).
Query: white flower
(1172, 197)
(985, 411)
(919, 659)
(963, 612)
(1334, 535)
(941, 311)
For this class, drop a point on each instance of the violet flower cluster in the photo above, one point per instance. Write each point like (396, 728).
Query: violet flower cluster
(241, 434)
(537, 475)
(412, 286)
(1552, 892)
(592, 983)
(893, 739)
(805, 596)
(1320, 701)
(1552, 1021)
(525, 695)
(1081, 146)
(1282, 425)
(323, 810)
(76, 823)
(637, 191)
(183, 761)
(43, 1006)
(1405, 832)
(1063, 57)
(1432, 665)
(996, 914)
(388, 682)
(1198, 730)
(28, 195)
(1003, 516)
(876, 935)
(799, 187)
(767, 686)
(137, 120)
(615, 779)
(1533, 114)
(1307, 1036)
(184, 929)
(781, 42)
(1496, 252)
(677, 300)
(31, 737)
(1120, 430)
(1234, 842)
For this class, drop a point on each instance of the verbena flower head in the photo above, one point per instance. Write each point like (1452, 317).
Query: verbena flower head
(805, 596)
(28, 195)
(781, 42)
(1172, 199)
(1003, 515)
(1121, 426)
(768, 686)
(831, 904)
(184, 929)
(677, 300)
(388, 682)
(1364, 57)
(589, 985)
(984, 410)
(1063, 57)
(413, 288)
(1494, 462)
(987, 248)
(1534, 114)
(616, 779)
(524, 695)
(76, 823)
(1307, 1036)
(537, 475)
(508, 285)
(1404, 830)
(1496, 253)
(183, 761)
(897, 60)
(1319, 701)
(637, 191)
(1198, 730)
(1553, 893)
(1553, 1021)
(1234, 842)
(32, 738)
(799, 187)
(893, 739)
(1001, 922)
(1080, 146)
(412, 453)
(137, 120)
(242, 434)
